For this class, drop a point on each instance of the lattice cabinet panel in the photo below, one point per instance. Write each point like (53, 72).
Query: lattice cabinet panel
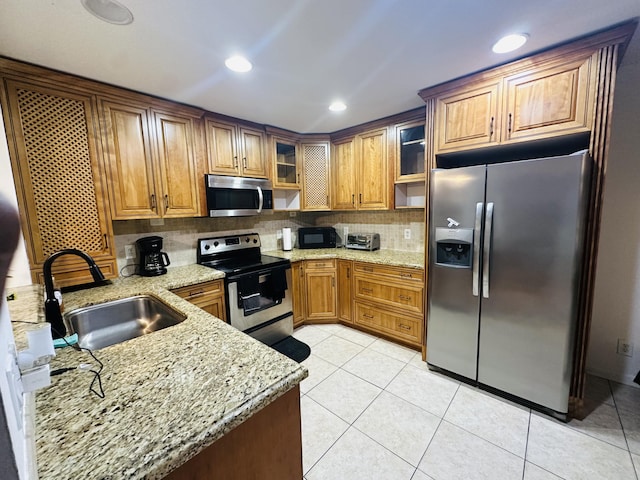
(315, 161)
(55, 164)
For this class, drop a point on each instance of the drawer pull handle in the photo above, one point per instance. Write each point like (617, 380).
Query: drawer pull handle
(406, 275)
(367, 269)
(405, 327)
(404, 297)
(368, 290)
(366, 315)
(319, 264)
(195, 294)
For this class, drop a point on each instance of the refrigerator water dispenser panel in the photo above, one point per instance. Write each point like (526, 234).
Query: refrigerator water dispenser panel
(454, 247)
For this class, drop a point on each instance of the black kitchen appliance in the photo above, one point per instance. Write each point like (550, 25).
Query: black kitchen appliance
(257, 288)
(318, 237)
(151, 257)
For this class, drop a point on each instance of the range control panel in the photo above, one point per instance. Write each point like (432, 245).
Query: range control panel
(229, 243)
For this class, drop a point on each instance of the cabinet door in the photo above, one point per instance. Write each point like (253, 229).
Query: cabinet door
(343, 169)
(298, 292)
(175, 138)
(345, 275)
(222, 153)
(467, 118)
(315, 160)
(129, 161)
(58, 178)
(253, 163)
(286, 167)
(321, 294)
(409, 154)
(551, 101)
(373, 175)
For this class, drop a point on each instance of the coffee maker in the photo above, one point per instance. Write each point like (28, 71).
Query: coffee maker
(151, 257)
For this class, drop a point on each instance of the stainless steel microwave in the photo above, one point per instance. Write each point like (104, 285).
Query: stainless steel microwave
(318, 237)
(238, 196)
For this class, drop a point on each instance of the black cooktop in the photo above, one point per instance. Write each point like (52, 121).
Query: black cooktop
(236, 254)
(246, 265)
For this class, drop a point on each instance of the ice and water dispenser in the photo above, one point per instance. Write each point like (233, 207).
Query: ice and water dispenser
(454, 247)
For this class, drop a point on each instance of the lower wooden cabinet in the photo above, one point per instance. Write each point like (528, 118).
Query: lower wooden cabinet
(298, 291)
(345, 300)
(389, 300)
(320, 281)
(382, 299)
(397, 325)
(209, 296)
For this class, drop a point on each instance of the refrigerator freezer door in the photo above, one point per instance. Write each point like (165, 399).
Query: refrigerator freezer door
(452, 325)
(528, 321)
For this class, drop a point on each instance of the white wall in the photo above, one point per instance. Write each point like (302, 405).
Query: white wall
(617, 290)
(19, 270)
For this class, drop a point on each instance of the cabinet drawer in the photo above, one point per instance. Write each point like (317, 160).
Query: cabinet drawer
(398, 326)
(398, 273)
(407, 297)
(192, 292)
(320, 264)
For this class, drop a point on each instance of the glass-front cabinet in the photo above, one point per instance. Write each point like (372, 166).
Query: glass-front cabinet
(410, 156)
(410, 181)
(287, 168)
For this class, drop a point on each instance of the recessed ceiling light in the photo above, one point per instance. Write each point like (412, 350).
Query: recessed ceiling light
(238, 63)
(337, 106)
(109, 10)
(510, 43)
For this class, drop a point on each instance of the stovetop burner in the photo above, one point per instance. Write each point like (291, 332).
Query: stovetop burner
(236, 254)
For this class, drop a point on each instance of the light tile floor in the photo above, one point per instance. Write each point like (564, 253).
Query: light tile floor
(371, 409)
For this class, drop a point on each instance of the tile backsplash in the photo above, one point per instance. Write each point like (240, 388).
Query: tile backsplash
(180, 235)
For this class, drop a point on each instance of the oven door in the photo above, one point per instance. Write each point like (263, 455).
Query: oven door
(238, 196)
(260, 303)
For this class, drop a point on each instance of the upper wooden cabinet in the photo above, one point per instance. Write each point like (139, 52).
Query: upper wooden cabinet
(550, 101)
(59, 183)
(315, 176)
(409, 152)
(151, 161)
(467, 119)
(547, 99)
(235, 149)
(285, 158)
(360, 172)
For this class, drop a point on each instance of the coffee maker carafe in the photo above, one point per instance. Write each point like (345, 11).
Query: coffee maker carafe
(152, 259)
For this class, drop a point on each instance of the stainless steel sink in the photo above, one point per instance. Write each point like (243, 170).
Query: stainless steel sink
(108, 323)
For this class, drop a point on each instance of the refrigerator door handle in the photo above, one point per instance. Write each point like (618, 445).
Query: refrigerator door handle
(476, 249)
(486, 255)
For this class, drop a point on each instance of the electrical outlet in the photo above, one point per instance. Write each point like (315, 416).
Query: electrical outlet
(293, 214)
(129, 251)
(625, 348)
(407, 234)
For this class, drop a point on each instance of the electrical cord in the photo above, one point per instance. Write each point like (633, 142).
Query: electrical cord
(83, 366)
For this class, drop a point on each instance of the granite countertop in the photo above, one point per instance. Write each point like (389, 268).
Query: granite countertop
(168, 395)
(382, 257)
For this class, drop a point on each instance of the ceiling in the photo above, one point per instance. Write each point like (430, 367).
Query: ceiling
(373, 54)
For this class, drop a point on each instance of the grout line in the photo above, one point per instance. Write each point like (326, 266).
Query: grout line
(624, 433)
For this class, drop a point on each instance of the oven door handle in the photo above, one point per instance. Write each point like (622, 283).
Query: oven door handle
(260, 199)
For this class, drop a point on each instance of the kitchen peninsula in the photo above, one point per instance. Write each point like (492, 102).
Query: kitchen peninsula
(169, 395)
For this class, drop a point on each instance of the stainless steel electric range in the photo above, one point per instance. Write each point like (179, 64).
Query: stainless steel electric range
(257, 287)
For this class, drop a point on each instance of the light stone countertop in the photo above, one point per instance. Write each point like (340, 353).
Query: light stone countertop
(382, 257)
(169, 394)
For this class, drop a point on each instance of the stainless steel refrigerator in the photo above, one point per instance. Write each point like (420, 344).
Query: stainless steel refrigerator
(506, 243)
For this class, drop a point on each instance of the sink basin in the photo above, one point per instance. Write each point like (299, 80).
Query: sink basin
(108, 323)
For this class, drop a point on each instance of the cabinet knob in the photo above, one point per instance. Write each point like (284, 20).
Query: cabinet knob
(405, 327)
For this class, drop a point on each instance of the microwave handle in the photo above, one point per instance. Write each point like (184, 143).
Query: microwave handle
(260, 199)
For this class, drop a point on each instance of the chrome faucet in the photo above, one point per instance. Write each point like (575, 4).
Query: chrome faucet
(51, 306)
